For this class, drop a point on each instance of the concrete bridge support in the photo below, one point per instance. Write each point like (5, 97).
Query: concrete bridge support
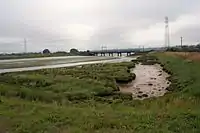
(110, 54)
(119, 54)
(103, 54)
(128, 53)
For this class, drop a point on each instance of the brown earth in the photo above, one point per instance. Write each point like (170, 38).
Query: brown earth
(186, 55)
(151, 81)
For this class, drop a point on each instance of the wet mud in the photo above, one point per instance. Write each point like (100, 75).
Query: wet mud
(151, 81)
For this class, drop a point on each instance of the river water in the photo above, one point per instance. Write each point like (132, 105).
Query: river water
(54, 62)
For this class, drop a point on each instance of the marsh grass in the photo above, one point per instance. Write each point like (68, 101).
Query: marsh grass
(60, 84)
(176, 112)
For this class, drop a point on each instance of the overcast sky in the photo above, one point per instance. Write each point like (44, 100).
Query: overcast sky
(88, 24)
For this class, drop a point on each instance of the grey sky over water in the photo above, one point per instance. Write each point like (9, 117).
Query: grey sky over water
(89, 24)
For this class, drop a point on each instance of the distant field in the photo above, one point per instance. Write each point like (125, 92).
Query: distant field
(187, 55)
(86, 100)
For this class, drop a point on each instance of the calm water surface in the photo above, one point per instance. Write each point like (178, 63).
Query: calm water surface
(54, 62)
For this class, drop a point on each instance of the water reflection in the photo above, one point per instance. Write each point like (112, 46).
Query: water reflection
(31, 64)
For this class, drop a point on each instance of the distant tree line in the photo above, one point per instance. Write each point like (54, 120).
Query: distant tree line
(185, 48)
(45, 53)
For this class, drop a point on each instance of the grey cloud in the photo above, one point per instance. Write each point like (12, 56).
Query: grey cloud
(190, 35)
(43, 22)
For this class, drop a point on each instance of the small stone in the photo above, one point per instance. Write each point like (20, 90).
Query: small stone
(139, 96)
(153, 78)
(160, 74)
(140, 92)
(152, 92)
(159, 90)
(150, 84)
(144, 95)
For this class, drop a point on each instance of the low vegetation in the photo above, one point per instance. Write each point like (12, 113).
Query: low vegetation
(185, 48)
(61, 84)
(146, 60)
(186, 74)
(195, 56)
(177, 111)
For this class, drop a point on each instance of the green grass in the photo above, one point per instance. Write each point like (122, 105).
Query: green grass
(186, 75)
(178, 111)
(174, 115)
(146, 60)
(59, 85)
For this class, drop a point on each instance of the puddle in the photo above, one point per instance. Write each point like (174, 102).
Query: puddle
(150, 82)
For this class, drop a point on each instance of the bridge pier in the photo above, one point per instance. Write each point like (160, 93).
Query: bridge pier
(119, 54)
(103, 54)
(110, 54)
(128, 53)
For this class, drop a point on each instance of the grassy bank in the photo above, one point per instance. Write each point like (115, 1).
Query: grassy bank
(186, 75)
(178, 111)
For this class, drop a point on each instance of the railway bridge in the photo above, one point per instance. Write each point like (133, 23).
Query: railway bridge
(119, 52)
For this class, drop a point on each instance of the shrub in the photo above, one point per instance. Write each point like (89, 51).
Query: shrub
(104, 92)
(123, 96)
(147, 60)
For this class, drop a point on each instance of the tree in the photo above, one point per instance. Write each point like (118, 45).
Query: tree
(74, 51)
(46, 51)
(198, 46)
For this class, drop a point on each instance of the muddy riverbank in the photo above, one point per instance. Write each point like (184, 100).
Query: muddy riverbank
(151, 81)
